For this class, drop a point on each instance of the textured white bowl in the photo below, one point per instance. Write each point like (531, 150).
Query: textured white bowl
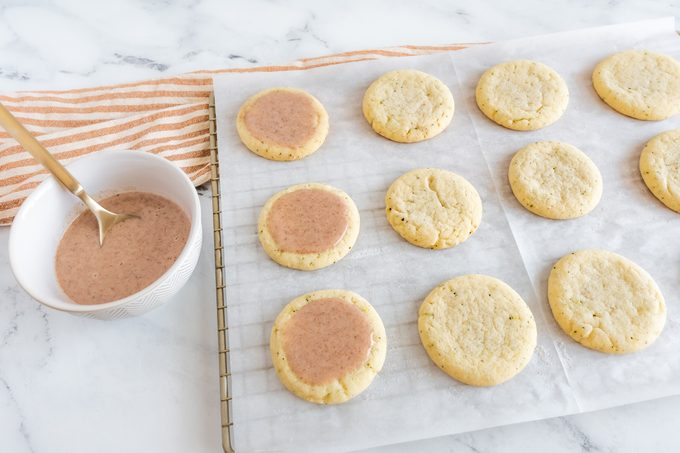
(48, 211)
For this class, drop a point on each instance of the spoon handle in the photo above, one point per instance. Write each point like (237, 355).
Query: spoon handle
(30, 144)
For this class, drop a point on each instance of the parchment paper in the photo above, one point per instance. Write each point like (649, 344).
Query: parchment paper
(411, 398)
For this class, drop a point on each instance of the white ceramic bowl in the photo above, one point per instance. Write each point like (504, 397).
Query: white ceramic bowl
(48, 211)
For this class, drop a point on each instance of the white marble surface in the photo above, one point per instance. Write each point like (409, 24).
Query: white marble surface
(149, 384)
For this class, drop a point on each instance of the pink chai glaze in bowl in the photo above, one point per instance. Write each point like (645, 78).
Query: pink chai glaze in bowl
(47, 213)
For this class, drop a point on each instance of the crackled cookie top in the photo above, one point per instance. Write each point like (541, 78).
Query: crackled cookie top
(433, 208)
(660, 168)
(408, 106)
(555, 180)
(522, 95)
(639, 84)
(605, 301)
(477, 329)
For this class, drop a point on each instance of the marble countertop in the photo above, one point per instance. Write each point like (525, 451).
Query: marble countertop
(150, 383)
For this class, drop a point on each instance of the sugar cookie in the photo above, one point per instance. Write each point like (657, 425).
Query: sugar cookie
(522, 95)
(282, 124)
(660, 168)
(433, 208)
(327, 346)
(477, 329)
(408, 106)
(605, 301)
(639, 84)
(555, 180)
(308, 226)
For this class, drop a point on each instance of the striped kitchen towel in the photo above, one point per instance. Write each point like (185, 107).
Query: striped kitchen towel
(167, 116)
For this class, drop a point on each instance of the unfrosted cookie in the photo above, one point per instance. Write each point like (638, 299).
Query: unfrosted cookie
(522, 95)
(639, 84)
(433, 208)
(555, 180)
(660, 167)
(327, 346)
(408, 106)
(477, 329)
(605, 301)
(308, 226)
(282, 124)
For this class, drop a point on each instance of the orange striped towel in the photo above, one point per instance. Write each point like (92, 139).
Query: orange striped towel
(167, 116)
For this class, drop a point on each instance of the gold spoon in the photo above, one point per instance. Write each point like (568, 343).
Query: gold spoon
(105, 218)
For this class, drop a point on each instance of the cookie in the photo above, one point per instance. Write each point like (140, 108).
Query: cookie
(433, 208)
(308, 226)
(327, 346)
(605, 301)
(555, 180)
(660, 168)
(408, 106)
(477, 329)
(639, 84)
(282, 124)
(522, 95)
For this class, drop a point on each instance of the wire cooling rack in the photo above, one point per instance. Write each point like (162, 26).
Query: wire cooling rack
(222, 324)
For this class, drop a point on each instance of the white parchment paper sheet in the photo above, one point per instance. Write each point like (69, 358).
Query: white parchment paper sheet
(628, 220)
(411, 398)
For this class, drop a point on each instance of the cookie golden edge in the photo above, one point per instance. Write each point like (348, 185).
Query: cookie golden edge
(610, 97)
(276, 152)
(399, 226)
(394, 134)
(351, 384)
(571, 329)
(649, 172)
(309, 261)
(428, 336)
(530, 205)
(485, 103)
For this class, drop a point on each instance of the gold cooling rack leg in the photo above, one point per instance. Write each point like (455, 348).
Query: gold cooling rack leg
(222, 324)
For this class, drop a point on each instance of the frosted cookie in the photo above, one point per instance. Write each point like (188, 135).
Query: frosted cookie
(408, 106)
(522, 95)
(327, 346)
(660, 168)
(282, 124)
(308, 226)
(477, 329)
(640, 84)
(605, 301)
(433, 208)
(555, 180)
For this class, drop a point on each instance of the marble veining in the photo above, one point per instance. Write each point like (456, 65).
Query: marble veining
(149, 384)
(74, 43)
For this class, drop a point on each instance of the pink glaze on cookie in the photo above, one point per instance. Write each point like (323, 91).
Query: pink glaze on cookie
(308, 221)
(326, 339)
(283, 118)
